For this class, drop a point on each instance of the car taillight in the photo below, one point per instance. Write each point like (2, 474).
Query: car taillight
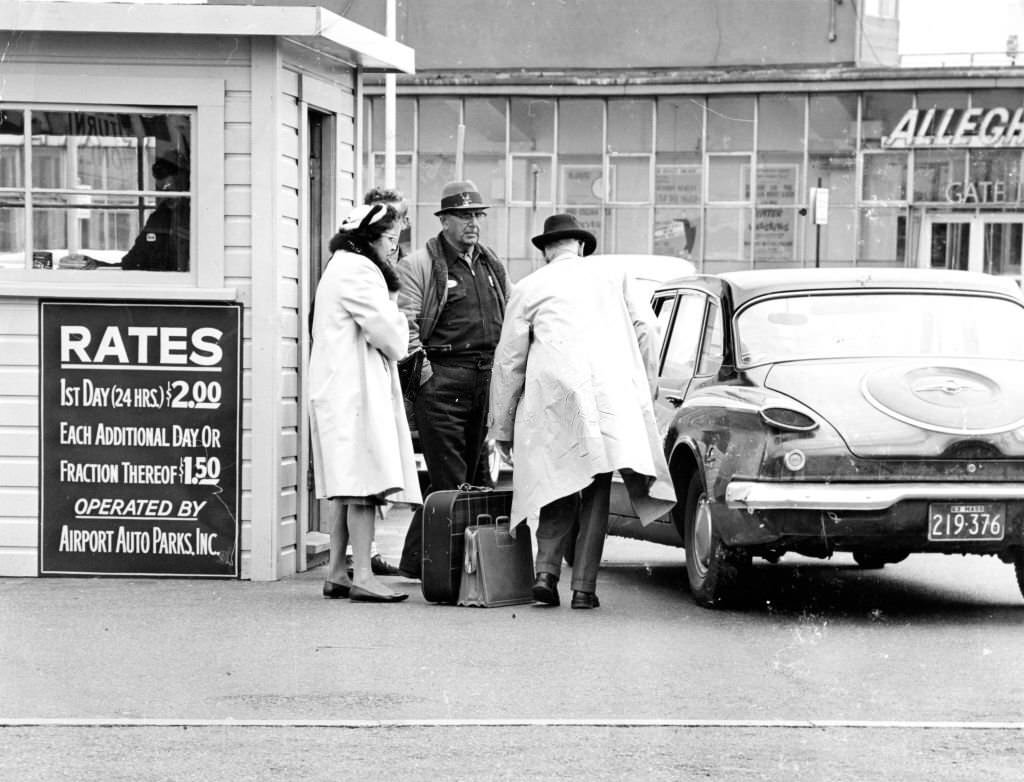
(788, 420)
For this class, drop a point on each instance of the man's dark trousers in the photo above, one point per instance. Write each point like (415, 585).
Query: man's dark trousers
(451, 417)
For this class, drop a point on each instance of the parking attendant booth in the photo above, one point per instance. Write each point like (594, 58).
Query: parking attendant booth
(170, 175)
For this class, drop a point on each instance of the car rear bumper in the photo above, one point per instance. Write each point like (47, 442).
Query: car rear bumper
(818, 518)
(757, 495)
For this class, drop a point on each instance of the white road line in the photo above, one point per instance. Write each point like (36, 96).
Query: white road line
(117, 722)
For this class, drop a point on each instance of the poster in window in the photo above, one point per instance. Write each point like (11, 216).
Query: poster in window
(676, 183)
(139, 425)
(582, 184)
(776, 183)
(774, 234)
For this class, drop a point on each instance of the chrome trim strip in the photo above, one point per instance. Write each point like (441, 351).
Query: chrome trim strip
(755, 495)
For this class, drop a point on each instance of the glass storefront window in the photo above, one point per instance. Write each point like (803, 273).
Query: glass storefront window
(580, 127)
(881, 114)
(404, 124)
(630, 178)
(523, 224)
(832, 146)
(532, 125)
(780, 147)
(676, 232)
(531, 178)
(885, 176)
(680, 125)
(438, 130)
(727, 238)
(628, 230)
(939, 174)
(109, 189)
(780, 123)
(993, 176)
(729, 178)
(630, 125)
(832, 244)
(883, 237)
(731, 124)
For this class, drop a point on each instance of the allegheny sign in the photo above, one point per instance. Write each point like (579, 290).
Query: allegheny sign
(962, 128)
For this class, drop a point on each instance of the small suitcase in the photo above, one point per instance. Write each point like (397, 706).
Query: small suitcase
(446, 514)
(498, 568)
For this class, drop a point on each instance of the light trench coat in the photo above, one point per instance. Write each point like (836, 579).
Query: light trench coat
(572, 388)
(360, 436)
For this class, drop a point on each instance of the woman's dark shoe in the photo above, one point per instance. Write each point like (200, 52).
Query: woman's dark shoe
(366, 596)
(584, 599)
(545, 589)
(334, 590)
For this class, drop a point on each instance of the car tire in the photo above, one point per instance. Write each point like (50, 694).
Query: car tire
(712, 569)
(1018, 567)
(869, 560)
(873, 560)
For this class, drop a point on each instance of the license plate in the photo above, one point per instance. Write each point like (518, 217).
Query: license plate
(966, 521)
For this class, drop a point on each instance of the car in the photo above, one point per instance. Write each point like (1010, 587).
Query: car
(873, 411)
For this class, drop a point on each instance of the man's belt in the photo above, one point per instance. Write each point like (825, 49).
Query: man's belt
(470, 359)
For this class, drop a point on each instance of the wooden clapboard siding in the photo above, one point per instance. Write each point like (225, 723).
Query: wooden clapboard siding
(19, 437)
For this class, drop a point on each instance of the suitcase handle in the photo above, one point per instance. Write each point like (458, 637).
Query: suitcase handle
(470, 557)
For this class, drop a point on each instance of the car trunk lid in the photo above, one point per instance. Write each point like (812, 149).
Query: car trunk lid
(914, 406)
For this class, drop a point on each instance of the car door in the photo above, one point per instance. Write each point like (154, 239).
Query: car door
(680, 316)
(680, 352)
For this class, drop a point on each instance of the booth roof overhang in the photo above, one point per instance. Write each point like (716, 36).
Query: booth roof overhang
(311, 26)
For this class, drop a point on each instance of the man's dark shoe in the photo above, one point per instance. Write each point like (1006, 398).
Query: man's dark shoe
(381, 567)
(545, 589)
(584, 599)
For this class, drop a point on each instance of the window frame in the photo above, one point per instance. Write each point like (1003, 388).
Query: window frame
(107, 90)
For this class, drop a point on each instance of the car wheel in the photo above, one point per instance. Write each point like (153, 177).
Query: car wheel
(869, 560)
(1018, 566)
(873, 560)
(711, 568)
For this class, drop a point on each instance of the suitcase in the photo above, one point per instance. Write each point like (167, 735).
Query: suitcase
(498, 568)
(446, 514)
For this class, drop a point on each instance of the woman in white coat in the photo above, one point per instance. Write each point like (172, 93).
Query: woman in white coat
(362, 449)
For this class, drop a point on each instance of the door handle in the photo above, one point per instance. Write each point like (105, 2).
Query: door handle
(675, 401)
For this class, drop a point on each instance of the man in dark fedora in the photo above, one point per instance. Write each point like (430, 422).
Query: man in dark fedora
(453, 293)
(572, 393)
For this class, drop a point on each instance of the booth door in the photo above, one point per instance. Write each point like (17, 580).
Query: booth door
(990, 243)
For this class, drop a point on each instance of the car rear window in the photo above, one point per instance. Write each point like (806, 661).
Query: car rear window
(862, 324)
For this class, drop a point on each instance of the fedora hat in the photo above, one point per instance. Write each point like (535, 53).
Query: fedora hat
(564, 226)
(457, 196)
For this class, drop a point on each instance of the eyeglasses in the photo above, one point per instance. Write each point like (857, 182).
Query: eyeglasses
(468, 216)
(393, 238)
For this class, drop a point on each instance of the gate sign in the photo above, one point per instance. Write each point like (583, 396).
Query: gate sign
(140, 421)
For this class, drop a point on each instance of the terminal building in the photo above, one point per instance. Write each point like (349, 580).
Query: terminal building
(736, 134)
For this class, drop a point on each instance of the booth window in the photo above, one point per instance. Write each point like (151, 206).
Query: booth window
(86, 189)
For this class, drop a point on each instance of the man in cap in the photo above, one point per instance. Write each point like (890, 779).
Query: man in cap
(572, 391)
(163, 243)
(453, 293)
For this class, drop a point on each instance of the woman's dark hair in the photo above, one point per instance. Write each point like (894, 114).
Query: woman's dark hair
(361, 229)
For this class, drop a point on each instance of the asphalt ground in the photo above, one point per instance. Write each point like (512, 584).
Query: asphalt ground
(168, 679)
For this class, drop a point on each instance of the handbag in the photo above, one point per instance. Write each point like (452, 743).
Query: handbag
(498, 568)
(410, 369)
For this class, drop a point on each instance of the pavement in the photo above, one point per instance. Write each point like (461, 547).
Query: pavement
(190, 679)
(109, 650)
